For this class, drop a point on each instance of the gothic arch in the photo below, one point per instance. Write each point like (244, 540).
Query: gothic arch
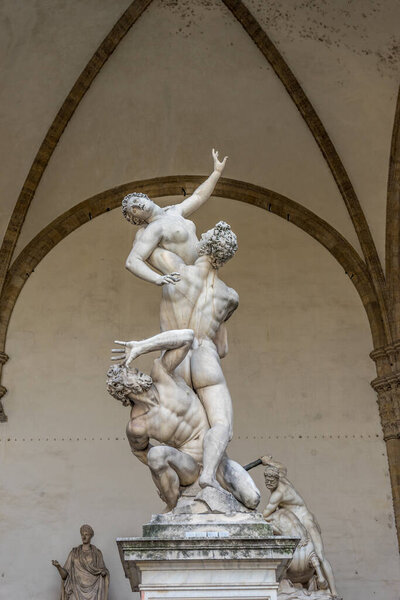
(264, 198)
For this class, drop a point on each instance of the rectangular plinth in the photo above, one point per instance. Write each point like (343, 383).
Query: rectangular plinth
(205, 567)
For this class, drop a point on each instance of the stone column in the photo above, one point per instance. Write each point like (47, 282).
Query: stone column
(387, 387)
(3, 390)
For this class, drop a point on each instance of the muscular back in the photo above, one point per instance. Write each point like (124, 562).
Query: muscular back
(200, 301)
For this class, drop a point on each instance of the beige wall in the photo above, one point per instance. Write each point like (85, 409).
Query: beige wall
(298, 365)
(298, 370)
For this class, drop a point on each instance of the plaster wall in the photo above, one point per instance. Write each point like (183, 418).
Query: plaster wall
(44, 46)
(297, 368)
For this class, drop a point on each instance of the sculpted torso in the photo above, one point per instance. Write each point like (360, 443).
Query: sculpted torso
(171, 233)
(291, 499)
(175, 416)
(199, 301)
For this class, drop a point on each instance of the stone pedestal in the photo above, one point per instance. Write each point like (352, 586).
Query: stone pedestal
(208, 555)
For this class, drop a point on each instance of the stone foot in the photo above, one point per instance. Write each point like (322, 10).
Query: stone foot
(205, 481)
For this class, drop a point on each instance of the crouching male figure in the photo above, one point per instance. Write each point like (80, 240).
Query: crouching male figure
(166, 409)
(285, 496)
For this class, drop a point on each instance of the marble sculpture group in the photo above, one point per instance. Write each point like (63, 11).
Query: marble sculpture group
(185, 404)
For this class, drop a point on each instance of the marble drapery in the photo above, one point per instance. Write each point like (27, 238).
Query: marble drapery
(85, 580)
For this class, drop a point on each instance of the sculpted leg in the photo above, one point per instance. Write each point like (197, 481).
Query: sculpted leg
(170, 469)
(210, 385)
(238, 482)
(319, 551)
(322, 582)
(215, 443)
(217, 402)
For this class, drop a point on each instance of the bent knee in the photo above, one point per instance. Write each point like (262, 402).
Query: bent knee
(253, 498)
(157, 458)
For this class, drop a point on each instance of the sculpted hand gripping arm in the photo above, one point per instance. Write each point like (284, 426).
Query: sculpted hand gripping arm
(146, 241)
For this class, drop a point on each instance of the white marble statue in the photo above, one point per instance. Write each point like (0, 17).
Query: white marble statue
(84, 575)
(166, 409)
(289, 514)
(193, 297)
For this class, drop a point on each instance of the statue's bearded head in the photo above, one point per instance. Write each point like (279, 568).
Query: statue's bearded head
(271, 477)
(121, 382)
(137, 208)
(219, 243)
(86, 534)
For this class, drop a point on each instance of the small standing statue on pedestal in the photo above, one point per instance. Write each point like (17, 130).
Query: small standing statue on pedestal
(84, 575)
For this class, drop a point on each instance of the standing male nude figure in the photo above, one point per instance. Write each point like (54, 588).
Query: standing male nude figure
(202, 302)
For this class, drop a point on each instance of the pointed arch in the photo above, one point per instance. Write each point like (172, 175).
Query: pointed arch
(61, 120)
(393, 224)
(325, 144)
(241, 191)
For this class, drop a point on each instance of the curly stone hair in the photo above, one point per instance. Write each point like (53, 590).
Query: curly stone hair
(87, 528)
(220, 243)
(133, 200)
(120, 390)
(271, 470)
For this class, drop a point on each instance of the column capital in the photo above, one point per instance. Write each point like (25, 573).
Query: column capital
(387, 358)
(388, 390)
(3, 416)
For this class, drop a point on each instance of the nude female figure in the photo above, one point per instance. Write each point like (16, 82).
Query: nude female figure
(165, 229)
